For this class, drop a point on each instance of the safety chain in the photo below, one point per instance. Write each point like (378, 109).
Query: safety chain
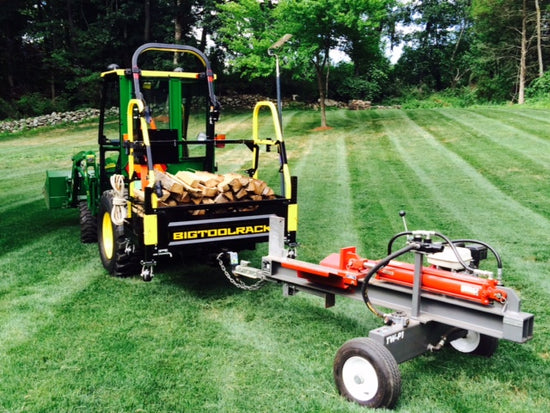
(235, 281)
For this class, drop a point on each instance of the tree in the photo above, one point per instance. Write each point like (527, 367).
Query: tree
(504, 57)
(317, 27)
(436, 46)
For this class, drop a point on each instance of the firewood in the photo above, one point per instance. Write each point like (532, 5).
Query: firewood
(223, 187)
(174, 184)
(235, 185)
(196, 200)
(220, 199)
(208, 179)
(206, 188)
(189, 178)
(183, 198)
(139, 194)
(245, 180)
(165, 195)
(241, 194)
(267, 192)
(138, 210)
(229, 195)
(208, 192)
(251, 187)
(260, 186)
(168, 182)
(170, 202)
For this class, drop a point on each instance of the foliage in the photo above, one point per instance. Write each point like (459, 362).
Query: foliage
(415, 98)
(372, 86)
(495, 54)
(54, 48)
(540, 87)
(317, 28)
(434, 51)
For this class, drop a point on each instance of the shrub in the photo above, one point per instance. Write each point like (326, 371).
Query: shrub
(7, 110)
(540, 87)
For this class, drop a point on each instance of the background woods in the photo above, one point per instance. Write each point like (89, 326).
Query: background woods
(383, 50)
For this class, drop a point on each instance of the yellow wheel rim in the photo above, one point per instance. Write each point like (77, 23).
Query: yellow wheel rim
(107, 236)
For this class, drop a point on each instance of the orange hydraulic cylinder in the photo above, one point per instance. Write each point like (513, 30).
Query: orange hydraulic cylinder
(346, 269)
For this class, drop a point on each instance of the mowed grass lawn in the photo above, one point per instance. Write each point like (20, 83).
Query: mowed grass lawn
(74, 339)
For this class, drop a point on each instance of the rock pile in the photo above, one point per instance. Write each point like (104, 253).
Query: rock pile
(357, 104)
(53, 119)
(236, 101)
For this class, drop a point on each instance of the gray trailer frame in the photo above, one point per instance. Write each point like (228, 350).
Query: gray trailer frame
(421, 321)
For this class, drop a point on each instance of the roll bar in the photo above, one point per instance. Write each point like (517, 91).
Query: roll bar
(176, 48)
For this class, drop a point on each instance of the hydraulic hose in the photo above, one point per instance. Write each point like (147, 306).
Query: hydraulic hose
(401, 234)
(453, 248)
(490, 248)
(379, 265)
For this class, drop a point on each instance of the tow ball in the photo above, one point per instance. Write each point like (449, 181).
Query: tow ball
(447, 300)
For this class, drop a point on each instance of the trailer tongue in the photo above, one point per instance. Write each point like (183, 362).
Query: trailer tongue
(432, 305)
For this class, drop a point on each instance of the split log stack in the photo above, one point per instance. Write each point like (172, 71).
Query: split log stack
(205, 188)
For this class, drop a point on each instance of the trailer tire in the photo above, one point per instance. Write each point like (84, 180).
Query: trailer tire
(118, 256)
(88, 224)
(476, 344)
(366, 372)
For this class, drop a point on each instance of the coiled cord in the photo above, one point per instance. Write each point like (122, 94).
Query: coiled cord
(118, 213)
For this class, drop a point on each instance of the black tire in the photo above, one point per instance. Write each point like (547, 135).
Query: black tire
(476, 344)
(88, 224)
(119, 257)
(366, 372)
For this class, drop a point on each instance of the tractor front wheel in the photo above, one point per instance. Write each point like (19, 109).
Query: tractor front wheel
(366, 372)
(118, 255)
(88, 224)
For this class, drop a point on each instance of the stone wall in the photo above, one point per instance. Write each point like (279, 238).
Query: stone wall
(53, 119)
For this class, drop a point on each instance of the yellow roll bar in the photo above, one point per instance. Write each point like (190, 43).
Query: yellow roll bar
(286, 181)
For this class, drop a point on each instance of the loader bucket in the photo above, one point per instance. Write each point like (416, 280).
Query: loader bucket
(56, 190)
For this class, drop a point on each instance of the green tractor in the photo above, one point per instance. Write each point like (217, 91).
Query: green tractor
(118, 189)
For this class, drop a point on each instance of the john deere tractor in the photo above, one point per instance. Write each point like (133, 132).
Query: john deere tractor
(119, 188)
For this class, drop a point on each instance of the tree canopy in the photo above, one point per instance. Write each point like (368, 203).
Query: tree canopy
(52, 50)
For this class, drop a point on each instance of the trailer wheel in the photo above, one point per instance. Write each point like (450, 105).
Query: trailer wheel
(366, 372)
(118, 255)
(476, 344)
(88, 224)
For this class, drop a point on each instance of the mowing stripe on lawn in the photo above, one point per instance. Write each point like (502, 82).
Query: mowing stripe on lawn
(326, 212)
(508, 138)
(515, 172)
(498, 217)
(36, 292)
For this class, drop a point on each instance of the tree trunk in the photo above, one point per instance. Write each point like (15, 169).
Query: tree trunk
(523, 58)
(147, 23)
(539, 39)
(322, 96)
(321, 63)
(177, 28)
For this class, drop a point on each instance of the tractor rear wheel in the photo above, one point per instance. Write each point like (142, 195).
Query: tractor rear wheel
(366, 372)
(88, 224)
(118, 255)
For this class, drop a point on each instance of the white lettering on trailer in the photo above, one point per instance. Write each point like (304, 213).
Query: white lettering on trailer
(395, 337)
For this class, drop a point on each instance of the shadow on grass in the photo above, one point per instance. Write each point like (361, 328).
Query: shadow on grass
(28, 222)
